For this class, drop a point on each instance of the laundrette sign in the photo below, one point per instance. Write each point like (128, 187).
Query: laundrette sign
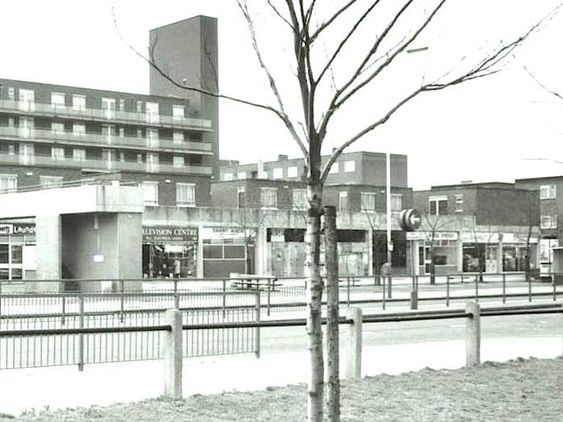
(169, 234)
(17, 228)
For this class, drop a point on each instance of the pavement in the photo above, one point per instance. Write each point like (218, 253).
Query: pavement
(104, 384)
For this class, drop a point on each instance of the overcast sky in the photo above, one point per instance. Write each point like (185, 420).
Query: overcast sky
(482, 131)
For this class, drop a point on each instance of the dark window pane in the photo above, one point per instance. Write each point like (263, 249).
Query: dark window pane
(443, 207)
(212, 251)
(16, 254)
(234, 251)
(4, 254)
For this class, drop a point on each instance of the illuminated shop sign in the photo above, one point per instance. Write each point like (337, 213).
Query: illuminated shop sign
(17, 228)
(164, 234)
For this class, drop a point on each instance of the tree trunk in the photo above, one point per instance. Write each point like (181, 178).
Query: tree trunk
(315, 400)
(332, 335)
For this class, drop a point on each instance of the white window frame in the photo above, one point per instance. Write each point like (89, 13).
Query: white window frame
(437, 199)
(548, 222)
(78, 102)
(299, 199)
(57, 128)
(241, 175)
(8, 183)
(57, 153)
(368, 201)
(277, 173)
(178, 112)
(548, 191)
(152, 111)
(334, 169)
(185, 198)
(178, 161)
(48, 182)
(458, 202)
(178, 137)
(343, 200)
(78, 129)
(269, 198)
(150, 193)
(58, 100)
(396, 201)
(292, 172)
(79, 154)
(227, 176)
(349, 166)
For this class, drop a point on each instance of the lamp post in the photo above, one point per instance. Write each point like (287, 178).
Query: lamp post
(388, 215)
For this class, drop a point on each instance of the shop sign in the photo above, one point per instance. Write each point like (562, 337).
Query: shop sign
(17, 228)
(163, 234)
(480, 237)
(222, 233)
(429, 236)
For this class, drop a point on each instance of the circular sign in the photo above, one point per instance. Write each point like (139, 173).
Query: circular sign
(410, 220)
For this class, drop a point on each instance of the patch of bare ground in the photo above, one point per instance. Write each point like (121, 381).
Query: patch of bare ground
(519, 390)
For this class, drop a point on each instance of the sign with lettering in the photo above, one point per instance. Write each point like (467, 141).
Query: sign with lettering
(167, 234)
(17, 228)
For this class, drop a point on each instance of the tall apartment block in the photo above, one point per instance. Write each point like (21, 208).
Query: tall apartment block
(167, 140)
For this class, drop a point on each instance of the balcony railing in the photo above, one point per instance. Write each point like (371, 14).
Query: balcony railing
(88, 139)
(99, 114)
(99, 164)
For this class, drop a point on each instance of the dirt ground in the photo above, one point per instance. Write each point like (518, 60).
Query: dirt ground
(519, 390)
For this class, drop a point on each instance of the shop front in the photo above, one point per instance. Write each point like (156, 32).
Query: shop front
(438, 249)
(170, 251)
(17, 250)
(228, 250)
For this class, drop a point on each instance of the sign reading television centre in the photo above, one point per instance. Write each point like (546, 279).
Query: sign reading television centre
(167, 234)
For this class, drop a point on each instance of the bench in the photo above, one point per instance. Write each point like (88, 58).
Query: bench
(254, 284)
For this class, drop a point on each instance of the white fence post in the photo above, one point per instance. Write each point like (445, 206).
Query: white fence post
(172, 353)
(473, 334)
(354, 349)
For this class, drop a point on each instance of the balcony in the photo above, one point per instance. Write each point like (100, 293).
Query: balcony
(102, 165)
(81, 113)
(87, 139)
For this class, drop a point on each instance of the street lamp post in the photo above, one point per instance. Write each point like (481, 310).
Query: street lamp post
(388, 213)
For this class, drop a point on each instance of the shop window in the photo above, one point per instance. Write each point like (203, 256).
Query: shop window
(185, 194)
(17, 254)
(150, 193)
(8, 183)
(548, 192)
(299, 199)
(268, 197)
(367, 201)
(438, 205)
(4, 254)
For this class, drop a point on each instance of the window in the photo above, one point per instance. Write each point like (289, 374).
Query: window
(349, 166)
(241, 175)
(548, 222)
(108, 105)
(438, 205)
(459, 202)
(228, 176)
(292, 172)
(78, 102)
(79, 154)
(50, 181)
(185, 194)
(268, 197)
(57, 153)
(548, 191)
(178, 137)
(342, 201)
(79, 129)
(300, 199)
(57, 100)
(139, 106)
(11, 93)
(150, 193)
(396, 202)
(177, 112)
(8, 183)
(178, 160)
(121, 104)
(57, 128)
(151, 110)
(140, 158)
(367, 201)
(152, 137)
(334, 169)
(277, 173)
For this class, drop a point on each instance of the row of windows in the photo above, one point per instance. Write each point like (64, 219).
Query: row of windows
(9, 183)
(26, 97)
(368, 201)
(438, 205)
(291, 173)
(185, 193)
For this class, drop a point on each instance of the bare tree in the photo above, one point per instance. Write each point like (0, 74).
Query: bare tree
(326, 37)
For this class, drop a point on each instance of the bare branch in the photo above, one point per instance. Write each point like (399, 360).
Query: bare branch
(277, 12)
(551, 91)
(273, 86)
(326, 24)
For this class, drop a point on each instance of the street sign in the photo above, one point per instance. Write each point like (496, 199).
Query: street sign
(410, 220)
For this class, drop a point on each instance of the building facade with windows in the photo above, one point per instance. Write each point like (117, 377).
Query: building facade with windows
(168, 141)
(470, 227)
